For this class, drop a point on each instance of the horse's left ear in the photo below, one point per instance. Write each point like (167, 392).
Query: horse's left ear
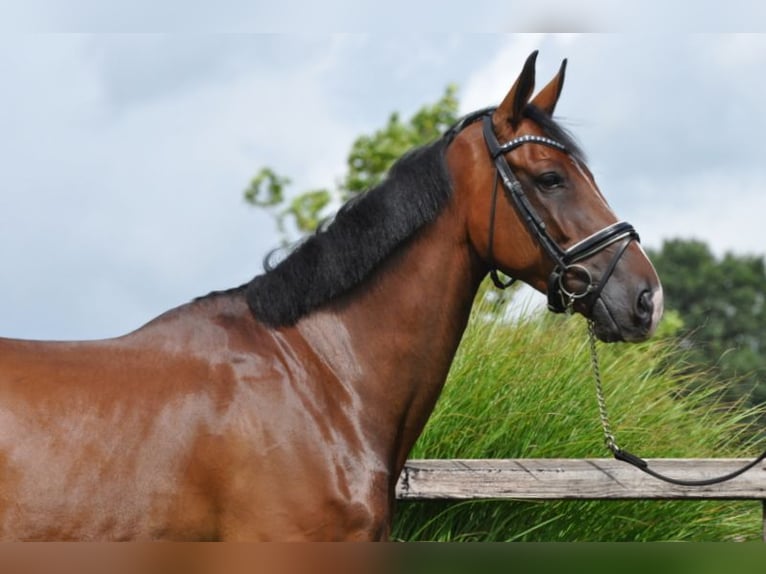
(511, 110)
(548, 97)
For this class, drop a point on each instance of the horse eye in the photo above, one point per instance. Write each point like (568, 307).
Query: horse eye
(550, 180)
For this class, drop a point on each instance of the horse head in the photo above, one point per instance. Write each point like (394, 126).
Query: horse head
(534, 212)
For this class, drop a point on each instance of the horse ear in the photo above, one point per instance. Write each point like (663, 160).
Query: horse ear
(548, 97)
(514, 103)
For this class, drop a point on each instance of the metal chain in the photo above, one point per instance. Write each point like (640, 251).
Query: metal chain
(630, 458)
(609, 439)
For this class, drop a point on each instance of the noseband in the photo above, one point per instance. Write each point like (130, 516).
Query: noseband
(567, 261)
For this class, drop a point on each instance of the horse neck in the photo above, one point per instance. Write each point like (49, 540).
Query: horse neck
(394, 338)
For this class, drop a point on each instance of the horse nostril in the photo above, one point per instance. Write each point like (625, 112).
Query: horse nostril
(645, 306)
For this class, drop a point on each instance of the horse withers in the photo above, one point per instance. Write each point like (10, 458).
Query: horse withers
(285, 409)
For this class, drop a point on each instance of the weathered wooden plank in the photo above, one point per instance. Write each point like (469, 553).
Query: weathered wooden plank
(552, 479)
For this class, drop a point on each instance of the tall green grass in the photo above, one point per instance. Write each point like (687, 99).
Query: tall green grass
(525, 389)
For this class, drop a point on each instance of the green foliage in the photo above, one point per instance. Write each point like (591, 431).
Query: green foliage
(369, 160)
(526, 390)
(266, 189)
(306, 209)
(723, 306)
(371, 156)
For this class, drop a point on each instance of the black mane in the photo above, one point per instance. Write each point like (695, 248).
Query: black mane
(364, 232)
(368, 229)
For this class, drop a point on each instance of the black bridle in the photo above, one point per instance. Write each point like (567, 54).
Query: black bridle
(566, 261)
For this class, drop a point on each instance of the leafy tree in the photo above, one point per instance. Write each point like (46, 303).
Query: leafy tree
(368, 162)
(722, 302)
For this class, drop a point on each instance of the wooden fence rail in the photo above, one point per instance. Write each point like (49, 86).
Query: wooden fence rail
(566, 479)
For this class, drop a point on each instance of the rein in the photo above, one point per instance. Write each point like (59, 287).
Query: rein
(630, 458)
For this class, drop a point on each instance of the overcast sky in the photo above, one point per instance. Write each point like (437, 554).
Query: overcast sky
(123, 157)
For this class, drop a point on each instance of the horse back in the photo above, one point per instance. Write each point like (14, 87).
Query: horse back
(114, 439)
(203, 424)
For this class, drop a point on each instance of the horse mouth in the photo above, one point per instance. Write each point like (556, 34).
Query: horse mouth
(605, 327)
(614, 323)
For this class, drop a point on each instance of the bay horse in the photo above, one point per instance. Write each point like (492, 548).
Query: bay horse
(284, 409)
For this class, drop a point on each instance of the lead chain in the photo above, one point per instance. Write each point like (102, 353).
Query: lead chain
(609, 439)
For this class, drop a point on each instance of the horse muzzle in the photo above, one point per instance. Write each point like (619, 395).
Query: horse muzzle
(571, 281)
